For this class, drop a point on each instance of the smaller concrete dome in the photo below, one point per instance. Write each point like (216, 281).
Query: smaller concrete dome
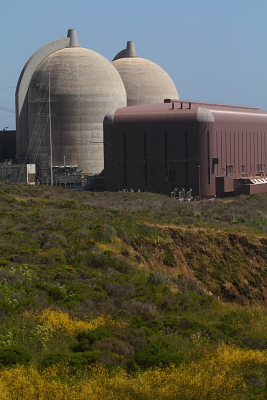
(145, 82)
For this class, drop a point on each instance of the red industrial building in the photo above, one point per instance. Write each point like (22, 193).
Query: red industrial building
(7, 145)
(186, 147)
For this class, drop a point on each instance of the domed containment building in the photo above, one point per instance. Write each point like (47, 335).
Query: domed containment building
(62, 96)
(69, 90)
(145, 82)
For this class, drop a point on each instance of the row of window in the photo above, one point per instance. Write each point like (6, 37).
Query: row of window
(230, 168)
(171, 175)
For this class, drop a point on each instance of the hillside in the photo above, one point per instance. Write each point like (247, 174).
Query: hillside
(133, 281)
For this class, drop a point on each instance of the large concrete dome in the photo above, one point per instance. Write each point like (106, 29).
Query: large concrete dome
(145, 82)
(84, 87)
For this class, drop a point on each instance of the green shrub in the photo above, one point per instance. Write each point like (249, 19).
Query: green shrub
(136, 321)
(189, 325)
(156, 352)
(14, 354)
(87, 339)
(53, 358)
(131, 366)
(83, 358)
(76, 360)
(158, 278)
(253, 343)
(229, 331)
(170, 324)
(54, 292)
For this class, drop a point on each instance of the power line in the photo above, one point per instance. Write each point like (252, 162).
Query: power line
(7, 109)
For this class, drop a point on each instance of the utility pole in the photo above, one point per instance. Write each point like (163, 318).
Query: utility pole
(199, 190)
(50, 130)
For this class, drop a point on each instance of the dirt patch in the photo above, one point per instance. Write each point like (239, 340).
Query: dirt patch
(231, 266)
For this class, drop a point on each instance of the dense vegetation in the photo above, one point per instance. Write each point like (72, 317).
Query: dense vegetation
(133, 296)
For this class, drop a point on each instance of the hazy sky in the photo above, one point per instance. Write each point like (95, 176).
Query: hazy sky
(214, 50)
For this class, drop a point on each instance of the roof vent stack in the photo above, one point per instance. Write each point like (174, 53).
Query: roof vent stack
(130, 49)
(72, 34)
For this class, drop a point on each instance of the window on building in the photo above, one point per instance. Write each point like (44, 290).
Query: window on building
(229, 170)
(260, 167)
(243, 168)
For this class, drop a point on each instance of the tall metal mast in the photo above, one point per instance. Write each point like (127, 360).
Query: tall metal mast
(50, 130)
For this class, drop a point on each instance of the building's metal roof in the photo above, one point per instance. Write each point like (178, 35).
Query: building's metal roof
(186, 110)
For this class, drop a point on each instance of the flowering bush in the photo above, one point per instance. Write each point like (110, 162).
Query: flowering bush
(216, 375)
(59, 320)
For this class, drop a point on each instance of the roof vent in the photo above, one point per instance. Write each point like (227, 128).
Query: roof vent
(129, 52)
(130, 49)
(72, 34)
